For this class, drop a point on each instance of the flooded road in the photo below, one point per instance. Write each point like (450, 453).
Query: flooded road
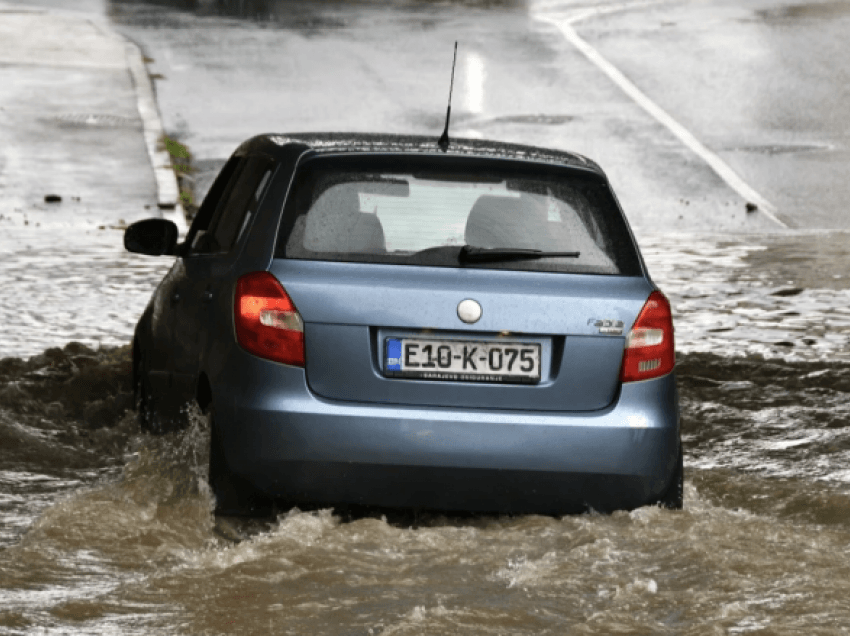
(85, 289)
(132, 547)
(105, 531)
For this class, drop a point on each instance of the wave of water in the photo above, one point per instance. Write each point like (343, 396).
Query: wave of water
(113, 533)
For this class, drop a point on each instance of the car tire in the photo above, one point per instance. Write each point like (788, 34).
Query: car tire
(674, 497)
(233, 495)
(142, 399)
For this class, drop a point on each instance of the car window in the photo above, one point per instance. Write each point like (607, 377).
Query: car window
(236, 207)
(418, 215)
(258, 197)
(201, 223)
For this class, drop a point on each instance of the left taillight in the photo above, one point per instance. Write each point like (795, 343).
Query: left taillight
(650, 351)
(267, 322)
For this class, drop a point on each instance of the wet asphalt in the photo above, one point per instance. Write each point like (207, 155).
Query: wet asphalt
(760, 84)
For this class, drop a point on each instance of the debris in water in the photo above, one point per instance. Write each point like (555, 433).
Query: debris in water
(788, 291)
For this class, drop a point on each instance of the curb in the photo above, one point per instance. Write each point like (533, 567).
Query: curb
(168, 192)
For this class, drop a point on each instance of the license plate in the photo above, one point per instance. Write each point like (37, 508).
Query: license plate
(462, 360)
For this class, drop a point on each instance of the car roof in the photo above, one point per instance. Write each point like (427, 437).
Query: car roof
(377, 143)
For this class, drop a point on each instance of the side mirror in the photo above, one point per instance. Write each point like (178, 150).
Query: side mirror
(154, 237)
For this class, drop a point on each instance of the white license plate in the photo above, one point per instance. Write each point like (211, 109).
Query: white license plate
(462, 360)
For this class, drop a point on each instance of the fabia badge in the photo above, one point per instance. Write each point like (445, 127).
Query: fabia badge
(469, 311)
(612, 327)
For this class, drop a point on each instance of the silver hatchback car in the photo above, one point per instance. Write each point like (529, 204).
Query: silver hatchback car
(377, 320)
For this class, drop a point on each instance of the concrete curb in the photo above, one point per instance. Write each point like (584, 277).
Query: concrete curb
(168, 192)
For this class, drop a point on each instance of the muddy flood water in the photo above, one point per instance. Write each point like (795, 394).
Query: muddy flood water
(106, 531)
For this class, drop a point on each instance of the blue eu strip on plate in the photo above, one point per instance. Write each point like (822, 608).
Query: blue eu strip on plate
(393, 354)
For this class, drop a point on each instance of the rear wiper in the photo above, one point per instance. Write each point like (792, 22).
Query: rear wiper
(471, 254)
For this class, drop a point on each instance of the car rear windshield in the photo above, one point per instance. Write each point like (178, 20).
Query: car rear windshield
(455, 212)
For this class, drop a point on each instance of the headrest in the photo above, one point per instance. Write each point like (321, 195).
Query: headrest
(501, 221)
(336, 224)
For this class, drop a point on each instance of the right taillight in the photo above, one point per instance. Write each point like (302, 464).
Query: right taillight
(267, 322)
(649, 349)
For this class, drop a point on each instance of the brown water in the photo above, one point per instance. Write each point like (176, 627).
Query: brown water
(106, 531)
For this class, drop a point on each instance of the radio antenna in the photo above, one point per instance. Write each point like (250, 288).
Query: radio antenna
(443, 143)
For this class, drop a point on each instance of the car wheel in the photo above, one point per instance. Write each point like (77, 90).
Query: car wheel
(233, 495)
(673, 499)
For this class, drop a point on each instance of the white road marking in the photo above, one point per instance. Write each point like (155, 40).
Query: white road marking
(720, 167)
(476, 74)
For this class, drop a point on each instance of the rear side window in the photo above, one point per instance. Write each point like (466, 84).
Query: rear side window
(201, 222)
(236, 207)
(423, 210)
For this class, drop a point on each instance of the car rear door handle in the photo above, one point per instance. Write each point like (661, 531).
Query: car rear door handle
(207, 297)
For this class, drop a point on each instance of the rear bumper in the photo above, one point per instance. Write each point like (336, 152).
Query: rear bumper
(291, 444)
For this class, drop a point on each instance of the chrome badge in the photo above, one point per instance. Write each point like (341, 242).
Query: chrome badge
(469, 311)
(611, 327)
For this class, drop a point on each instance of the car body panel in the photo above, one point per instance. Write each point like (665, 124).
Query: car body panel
(427, 297)
(344, 305)
(279, 427)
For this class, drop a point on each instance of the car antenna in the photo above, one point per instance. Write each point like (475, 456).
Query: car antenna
(443, 143)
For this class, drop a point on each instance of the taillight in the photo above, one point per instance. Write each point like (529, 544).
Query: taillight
(649, 349)
(267, 322)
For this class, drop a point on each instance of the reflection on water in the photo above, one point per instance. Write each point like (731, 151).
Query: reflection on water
(786, 295)
(74, 287)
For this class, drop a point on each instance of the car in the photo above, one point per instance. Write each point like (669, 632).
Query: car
(386, 321)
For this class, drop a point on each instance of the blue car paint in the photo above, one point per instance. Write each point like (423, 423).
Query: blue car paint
(273, 425)
(340, 301)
